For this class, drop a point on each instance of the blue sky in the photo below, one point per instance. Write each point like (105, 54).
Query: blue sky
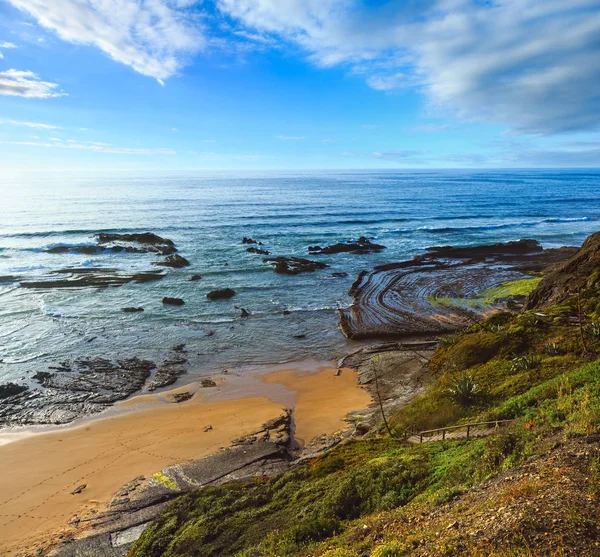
(299, 84)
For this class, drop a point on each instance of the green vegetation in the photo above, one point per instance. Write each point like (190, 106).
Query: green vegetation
(367, 497)
(509, 289)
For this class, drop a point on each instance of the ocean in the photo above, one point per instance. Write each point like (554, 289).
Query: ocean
(207, 215)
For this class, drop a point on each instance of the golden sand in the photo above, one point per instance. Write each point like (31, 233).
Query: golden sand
(39, 472)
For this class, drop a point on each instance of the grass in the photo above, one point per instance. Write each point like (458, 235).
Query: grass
(335, 505)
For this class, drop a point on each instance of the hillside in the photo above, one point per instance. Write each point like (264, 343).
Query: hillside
(531, 488)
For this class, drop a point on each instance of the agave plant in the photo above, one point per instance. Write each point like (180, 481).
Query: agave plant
(552, 349)
(464, 390)
(593, 330)
(526, 362)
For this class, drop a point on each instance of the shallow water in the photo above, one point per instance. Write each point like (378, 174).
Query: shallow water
(207, 216)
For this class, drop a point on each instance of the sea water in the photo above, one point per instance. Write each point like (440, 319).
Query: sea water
(207, 215)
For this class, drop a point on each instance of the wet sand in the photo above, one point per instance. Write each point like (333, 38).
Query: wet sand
(39, 472)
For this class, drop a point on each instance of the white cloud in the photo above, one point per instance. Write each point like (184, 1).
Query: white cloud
(1, 56)
(5, 44)
(154, 37)
(27, 84)
(289, 137)
(97, 147)
(533, 65)
(30, 124)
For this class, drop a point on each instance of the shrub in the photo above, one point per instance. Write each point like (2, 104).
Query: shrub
(593, 330)
(390, 549)
(464, 390)
(339, 552)
(553, 349)
(314, 529)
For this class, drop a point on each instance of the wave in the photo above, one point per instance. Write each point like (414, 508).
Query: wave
(482, 227)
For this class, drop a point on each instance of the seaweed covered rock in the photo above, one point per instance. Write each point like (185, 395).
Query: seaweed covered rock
(580, 272)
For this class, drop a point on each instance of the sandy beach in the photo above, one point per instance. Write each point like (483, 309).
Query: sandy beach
(39, 471)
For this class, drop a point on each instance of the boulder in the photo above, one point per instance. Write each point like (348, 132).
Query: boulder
(132, 310)
(221, 294)
(172, 301)
(194, 278)
(175, 261)
(258, 251)
(248, 241)
(11, 389)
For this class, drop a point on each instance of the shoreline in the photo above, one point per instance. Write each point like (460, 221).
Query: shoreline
(147, 433)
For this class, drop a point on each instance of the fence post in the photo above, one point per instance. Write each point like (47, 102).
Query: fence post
(468, 431)
(443, 435)
(421, 437)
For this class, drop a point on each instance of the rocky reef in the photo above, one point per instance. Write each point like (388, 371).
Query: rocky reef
(440, 291)
(86, 277)
(360, 246)
(294, 265)
(74, 389)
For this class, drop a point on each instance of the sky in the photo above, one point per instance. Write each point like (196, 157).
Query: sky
(299, 84)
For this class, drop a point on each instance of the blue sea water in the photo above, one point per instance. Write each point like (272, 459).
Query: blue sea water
(207, 216)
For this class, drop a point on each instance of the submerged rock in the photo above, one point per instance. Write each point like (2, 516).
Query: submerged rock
(339, 275)
(91, 277)
(172, 301)
(294, 265)
(221, 294)
(194, 278)
(132, 310)
(362, 245)
(164, 377)
(248, 241)
(175, 261)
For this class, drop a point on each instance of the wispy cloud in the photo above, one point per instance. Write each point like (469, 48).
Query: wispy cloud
(96, 147)
(154, 37)
(5, 44)
(19, 83)
(289, 137)
(533, 65)
(30, 124)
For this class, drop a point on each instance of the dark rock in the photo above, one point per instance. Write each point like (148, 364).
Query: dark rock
(286, 312)
(294, 265)
(164, 377)
(43, 377)
(172, 301)
(194, 278)
(207, 383)
(144, 242)
(84, 387)
(132, 310)
(258, 251)
(222, 294)
(362, 245)
(208, 428)
(11, 389)
(78, 489)
(87, 250)
(92, 277)
(299, 336)
(182, 397)
(339, 275)
(178, 348)
(175, 261)
(519, 247)
(244, 313)
(248, 241)
(580, 272)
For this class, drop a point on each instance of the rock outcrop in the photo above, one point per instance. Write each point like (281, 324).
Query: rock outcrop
(87, 277)
(360, 246)
(580, 272)
(172, 301)
(175, 261)
(221, 294)
(294, 265)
